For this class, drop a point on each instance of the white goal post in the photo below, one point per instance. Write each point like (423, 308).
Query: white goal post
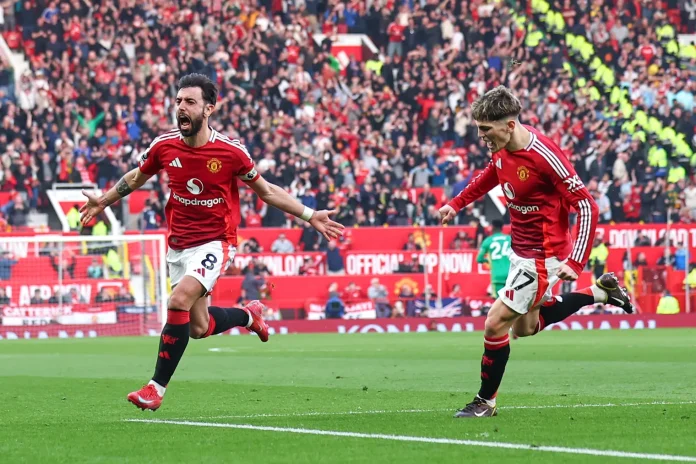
(64, 196)
(82, 286)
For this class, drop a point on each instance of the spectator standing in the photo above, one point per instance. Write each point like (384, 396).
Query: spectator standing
(334, 260)
(380, 297)
(95, 270)
(282, 245)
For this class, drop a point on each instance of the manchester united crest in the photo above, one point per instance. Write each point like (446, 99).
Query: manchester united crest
(214, 165)
(523, 173)
(406, 282)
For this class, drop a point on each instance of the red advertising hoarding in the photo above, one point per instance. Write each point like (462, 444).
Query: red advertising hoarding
(475, 324)
(341, 326)
(385, 262)
(21, 291)
(393, 238)
(294, 291)
(283, 264)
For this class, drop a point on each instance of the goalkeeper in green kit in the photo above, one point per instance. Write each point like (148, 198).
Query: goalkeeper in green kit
(495, 250)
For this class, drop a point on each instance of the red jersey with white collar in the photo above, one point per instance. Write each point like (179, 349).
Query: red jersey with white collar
(203, 205)
(540, 185)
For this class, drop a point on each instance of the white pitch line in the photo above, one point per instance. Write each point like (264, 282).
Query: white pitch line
(443, 441)
(319, 413)
(606, 405)
(416, 411)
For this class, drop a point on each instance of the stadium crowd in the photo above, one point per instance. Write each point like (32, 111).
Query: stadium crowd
(103, 76)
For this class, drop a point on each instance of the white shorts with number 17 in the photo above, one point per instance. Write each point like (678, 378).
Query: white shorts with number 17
(205, 263)
(529, 283)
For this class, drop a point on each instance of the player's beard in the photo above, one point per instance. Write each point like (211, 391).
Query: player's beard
(192, 125)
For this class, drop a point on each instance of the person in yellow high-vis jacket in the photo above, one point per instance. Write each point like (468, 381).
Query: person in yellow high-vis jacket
(73, 217)
(668, 304)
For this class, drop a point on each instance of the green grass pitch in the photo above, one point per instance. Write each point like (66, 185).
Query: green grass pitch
(584, 393)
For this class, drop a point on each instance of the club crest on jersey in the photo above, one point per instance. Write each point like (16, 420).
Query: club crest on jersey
(214, 165)
(523, 173)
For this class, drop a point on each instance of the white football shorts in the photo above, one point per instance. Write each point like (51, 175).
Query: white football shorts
(206, 263)
(530, 282)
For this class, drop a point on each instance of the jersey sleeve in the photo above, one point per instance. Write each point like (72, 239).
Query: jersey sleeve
(247, 169)
(483, 251)
(149, 161)
(569, 186)
(478, 187)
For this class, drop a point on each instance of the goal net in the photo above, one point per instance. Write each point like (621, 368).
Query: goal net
(82, 286)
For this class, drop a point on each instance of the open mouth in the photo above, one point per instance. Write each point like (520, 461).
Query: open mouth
(184, 122)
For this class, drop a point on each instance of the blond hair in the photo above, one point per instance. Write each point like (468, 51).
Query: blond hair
(496, 104)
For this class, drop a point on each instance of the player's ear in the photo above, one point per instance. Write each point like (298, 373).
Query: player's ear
(208, 110)
(511, 125)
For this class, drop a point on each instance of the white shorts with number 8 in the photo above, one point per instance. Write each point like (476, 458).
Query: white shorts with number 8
(206, 263)
(529, 283)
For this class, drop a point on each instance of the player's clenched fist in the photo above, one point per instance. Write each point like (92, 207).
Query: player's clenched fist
(447, 214)
(566, 273)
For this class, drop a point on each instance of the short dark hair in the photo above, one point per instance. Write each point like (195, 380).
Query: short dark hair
(497, 224)
(496, 104)
(203, 82)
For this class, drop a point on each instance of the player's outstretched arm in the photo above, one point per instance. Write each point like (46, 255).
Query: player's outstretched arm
(131, 181)
(276, 196)
(478, 187)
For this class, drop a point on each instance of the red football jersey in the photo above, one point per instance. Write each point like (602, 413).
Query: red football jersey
(203, 205)
(540, 185)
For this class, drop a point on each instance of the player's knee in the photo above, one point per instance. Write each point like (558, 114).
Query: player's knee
(186, 293)
(180, 301)
(494, 326)
(499, 320)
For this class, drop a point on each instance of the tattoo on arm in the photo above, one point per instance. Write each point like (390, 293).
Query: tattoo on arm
(122, 188)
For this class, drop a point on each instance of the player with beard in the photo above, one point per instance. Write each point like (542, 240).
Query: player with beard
(540, 186)
(202, 218)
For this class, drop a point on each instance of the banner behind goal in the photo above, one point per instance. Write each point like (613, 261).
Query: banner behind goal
(82, 286)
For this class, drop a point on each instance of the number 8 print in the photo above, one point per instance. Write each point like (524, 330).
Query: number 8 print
(209, 261)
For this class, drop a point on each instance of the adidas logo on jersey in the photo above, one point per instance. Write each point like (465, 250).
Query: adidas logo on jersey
(176, 163)
(201, 272)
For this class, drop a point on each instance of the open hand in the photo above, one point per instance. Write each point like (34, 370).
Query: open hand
(91, 209)
(322, 222)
